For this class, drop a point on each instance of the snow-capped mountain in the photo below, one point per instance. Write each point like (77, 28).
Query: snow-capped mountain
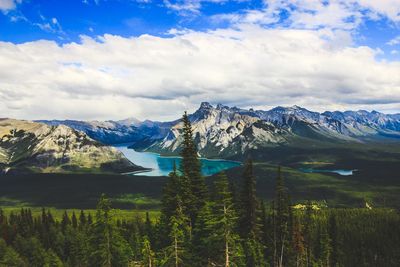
(224, 131)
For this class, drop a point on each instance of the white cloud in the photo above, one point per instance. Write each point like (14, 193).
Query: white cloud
(158, 78)
(387, 8)
(317, 14)
(7, 5)
(49, 25)
(189, 7)
(394, 41)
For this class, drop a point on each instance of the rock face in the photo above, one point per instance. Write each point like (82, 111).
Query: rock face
(117, 132)
(226, 131)
(222, 131)
(32, 146)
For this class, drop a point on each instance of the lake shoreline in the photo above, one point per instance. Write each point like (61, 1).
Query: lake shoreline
(158, 165)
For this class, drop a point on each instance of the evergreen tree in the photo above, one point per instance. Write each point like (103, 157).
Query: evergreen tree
(202, 246)
(169, 205)
(171, 191)
(9, 257)
(89, 219)
(324, 249)
(298, 242)
(223, 225)
(334, 242)
(82, 219)
(179, 225)
(308, 240)
(192, 180)
(281, 213)
(147, 253)
(74, 220)
(265, 228)
(65, 221)
(248, 217)
(110, 249)
(149, 231)
(254, 252)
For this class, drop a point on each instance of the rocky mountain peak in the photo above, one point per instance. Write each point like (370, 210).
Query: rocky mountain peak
(205, 105)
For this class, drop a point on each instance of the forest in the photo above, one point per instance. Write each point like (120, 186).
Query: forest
(224, 224)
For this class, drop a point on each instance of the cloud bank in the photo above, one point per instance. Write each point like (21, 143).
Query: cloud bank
(159, 77)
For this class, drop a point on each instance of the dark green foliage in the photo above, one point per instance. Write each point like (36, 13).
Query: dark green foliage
(110, 248)
(201, 226)
(319, 237)
(281, 228)
(333, 236)
(193, 189)
(249, 203)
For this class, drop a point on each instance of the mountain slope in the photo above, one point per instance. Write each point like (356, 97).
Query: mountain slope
(227, 131)
(32, 146)
(222, 131)
(117, 132)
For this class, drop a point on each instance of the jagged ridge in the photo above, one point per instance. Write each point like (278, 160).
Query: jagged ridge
(225, 131)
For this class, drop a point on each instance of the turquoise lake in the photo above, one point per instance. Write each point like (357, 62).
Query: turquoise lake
(340, 172)
(162, 166)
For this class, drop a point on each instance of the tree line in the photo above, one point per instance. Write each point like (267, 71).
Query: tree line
(224, 224)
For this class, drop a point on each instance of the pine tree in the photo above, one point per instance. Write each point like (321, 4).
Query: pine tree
(110, 249)
(147, 253)
(65, 221)
(82, 219)
(195, 198)
(333, 235)
(324, 248)
(149, 231)
(265, 228)
(74, 220)
(169, 204)
(298, 242)
(171, 191)
(308, 241)
(179, 225)
(223, 224)
(89, 219)
(248, 217)
(202, 246)
(282, 212)
(249, 226)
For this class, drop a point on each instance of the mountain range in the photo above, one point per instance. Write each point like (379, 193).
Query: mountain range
(27, 146)
(222, 131)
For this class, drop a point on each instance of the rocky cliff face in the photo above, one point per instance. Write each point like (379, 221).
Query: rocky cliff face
(31, 146)
(225, 131)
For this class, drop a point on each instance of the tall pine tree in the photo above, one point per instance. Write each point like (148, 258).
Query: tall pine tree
(249, 227)
(196, 197)
(249, 203)
(281, 213)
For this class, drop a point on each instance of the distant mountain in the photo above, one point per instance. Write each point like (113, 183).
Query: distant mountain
(117, 132)
(31, 146)
(225, 131)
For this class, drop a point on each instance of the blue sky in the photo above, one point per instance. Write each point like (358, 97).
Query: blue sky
(32, 20)
(121, 17)
(68, 38)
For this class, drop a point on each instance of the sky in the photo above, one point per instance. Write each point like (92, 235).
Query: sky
(153, 59)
